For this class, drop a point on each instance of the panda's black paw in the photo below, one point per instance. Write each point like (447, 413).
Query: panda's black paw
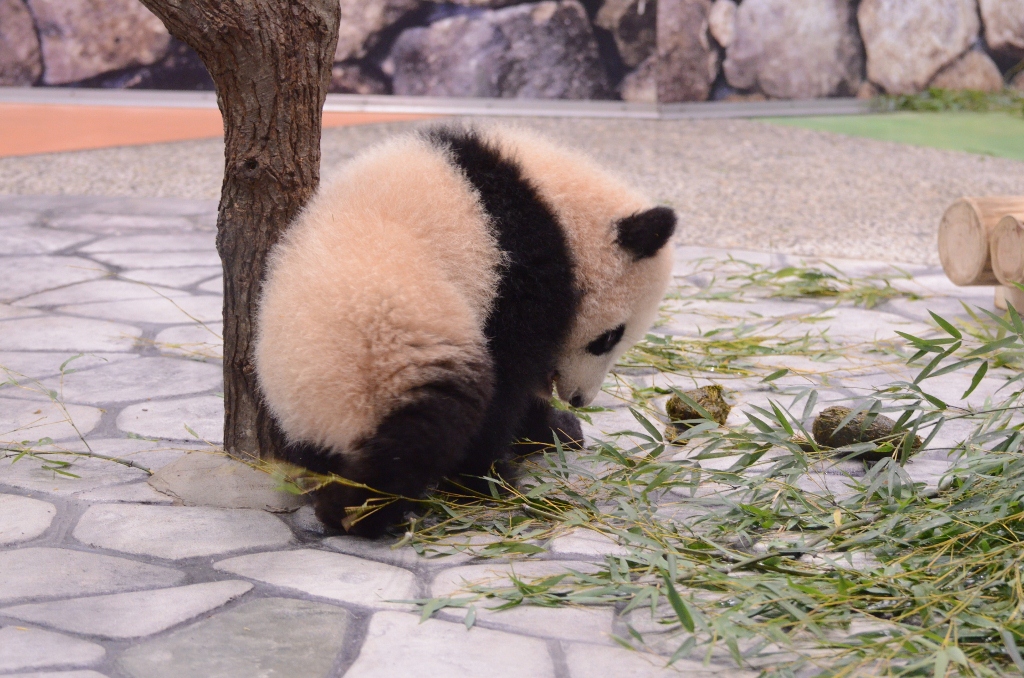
(338, 508)
(567, 426)
(541, 423)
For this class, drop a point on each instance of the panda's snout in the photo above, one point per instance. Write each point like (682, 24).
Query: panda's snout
(576, 400)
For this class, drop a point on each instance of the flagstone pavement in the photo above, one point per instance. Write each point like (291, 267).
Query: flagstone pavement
(101, 574)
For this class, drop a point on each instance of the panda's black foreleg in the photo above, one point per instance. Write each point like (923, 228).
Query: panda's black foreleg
(539, 426)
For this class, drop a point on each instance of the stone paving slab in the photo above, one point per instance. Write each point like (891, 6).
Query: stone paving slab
(23, 518)
(168, 419)
(56, 674)
(22, 648)
(202, 479)
(130, 615)
(268, 637)
(41, 333)
(585, 661)
(399, 645)
(175, 533)
(53, 573)
(333, 576)
(106, 560)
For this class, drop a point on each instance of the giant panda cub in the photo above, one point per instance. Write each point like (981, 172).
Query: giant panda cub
(417, 313)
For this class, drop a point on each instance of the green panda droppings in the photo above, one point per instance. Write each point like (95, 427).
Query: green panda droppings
(880, 431)
(680, 413)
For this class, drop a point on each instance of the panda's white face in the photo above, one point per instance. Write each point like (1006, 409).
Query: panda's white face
(583, 364)
(619, 307)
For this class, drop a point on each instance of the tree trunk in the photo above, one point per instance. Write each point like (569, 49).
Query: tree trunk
(271, 63)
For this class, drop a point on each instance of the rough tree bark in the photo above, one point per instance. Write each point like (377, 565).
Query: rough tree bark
(271, 63)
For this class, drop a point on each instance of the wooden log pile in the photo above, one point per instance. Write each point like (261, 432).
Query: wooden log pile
(981, 242)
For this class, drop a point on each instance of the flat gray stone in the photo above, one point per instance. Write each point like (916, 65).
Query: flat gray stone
(587, 624)
(264, 638)
(42, 364)
(22, 649)
(152, 454)
(160, 310)
(327, 575)
(140, 379)
(117, 223)
(168, 418)
(192, 341)
(398, 644)
(9, 312)
(128, 493)
(854, 325)
(35, 418)
(381, 550)
(92, 473)
(98, 291)
(304, 520)
(214, 286)
(178, 276)
(20, 240)
(29, 275)
(585, 545)
(158, 259)
(179, 242)
(130, 615)
(54, 333)
(176, 532)
(456, 581)
(89, 473)
(56, 674)
(14, 219)
(23, 518)
(215, 479)
(588, 661)
(52, 573)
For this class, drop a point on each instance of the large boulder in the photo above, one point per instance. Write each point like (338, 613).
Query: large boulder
(489, 4)
(1004, 26)
(795, 49)
(84, 38)
(363, 21)
(722, 22)
(909, 41)
(974, 70)
(20, 62)
(641, 84)
(1017, 83)
(687, 59)
(632, 25)
(350, 78)
(544, 50)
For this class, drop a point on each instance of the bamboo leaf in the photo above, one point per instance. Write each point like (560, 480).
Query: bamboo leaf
(678, 605)
(978, 376)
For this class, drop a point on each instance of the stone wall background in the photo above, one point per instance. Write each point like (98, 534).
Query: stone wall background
(637, 50)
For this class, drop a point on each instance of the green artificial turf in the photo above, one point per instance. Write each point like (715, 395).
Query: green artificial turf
(998, 134)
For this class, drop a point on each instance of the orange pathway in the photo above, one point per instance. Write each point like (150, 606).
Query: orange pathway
(26, 129)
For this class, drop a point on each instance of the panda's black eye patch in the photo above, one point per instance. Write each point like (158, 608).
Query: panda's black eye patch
(606, 342)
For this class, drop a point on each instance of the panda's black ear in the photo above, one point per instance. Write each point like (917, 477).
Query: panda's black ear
(643, 234)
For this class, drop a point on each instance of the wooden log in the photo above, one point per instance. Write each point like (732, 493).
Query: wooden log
(1015, 298)
(964, 236)
(1006, 249)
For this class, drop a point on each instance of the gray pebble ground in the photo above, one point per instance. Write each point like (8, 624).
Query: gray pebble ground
(736, 183)
(216, 574)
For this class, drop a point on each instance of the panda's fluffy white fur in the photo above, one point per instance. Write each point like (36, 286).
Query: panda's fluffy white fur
(415, 315)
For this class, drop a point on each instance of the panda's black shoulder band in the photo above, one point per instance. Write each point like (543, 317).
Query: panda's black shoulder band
(537, 297)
